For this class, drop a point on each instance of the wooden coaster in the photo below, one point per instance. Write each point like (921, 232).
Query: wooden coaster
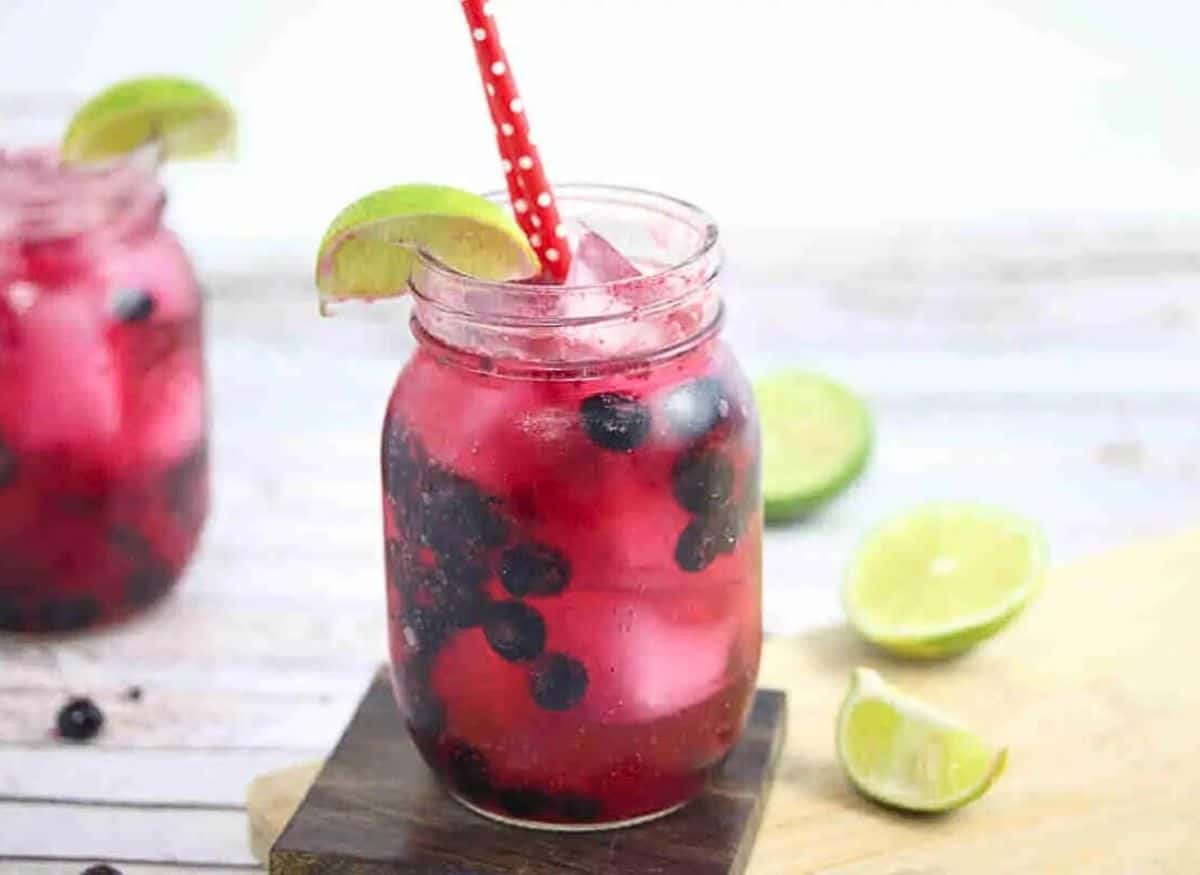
(376, 808)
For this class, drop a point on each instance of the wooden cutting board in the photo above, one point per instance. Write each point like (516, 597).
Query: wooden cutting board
(1095, 692)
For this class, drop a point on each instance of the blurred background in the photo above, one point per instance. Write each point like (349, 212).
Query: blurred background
(774, 114)
(982, 214)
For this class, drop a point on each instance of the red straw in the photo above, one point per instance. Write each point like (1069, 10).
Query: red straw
(530, 193)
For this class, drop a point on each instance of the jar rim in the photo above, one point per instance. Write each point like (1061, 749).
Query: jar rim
(43, 197)
(668, 206)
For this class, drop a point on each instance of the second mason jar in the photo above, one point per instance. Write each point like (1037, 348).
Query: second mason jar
(573, 525)
(103, 452)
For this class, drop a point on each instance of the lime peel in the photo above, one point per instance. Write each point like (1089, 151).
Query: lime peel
(369, 249)
(901, 752)
(817, 439)
(188, 120)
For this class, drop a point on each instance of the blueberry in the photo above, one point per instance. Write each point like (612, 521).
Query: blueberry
(426, 713)
(522, 801)
(403, 465)
(101, 869)
(80, 720)
(455, 588)
(697, 408)
(456, 518)
(8, 465)
(581, 809)
(704, 539)
(468, 770)
(12, 619)
(615, 420)
(134, 693)
(515, 630)
(132, 305)
(185, 486)
(69, 615)
(534, 569)
(702, 481)
(129, 543)
(147, 584)
(423, 629)
(558, 682)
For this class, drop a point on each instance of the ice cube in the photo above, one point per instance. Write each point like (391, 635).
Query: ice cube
(595, 260)
(68, 373)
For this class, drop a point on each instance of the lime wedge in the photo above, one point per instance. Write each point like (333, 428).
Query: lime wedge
(816, 441)
(937, 580)
(368, 250)
(185, 117)
(901, 752)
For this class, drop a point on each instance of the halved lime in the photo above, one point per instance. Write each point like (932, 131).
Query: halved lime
(368, 250)
(904, 753)
(186, 118)
(816, 441)
(937, 580)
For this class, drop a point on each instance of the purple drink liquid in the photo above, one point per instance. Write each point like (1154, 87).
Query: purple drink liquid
(574, 561)
(103, 462)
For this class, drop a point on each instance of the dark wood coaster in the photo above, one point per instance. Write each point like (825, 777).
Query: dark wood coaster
(376, 808)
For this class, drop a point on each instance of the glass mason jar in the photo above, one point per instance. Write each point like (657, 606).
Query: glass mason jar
(103, 463)
(574, 530)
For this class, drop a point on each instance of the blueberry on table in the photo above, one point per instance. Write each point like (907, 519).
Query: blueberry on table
(705, 538)
(697, 408)
(702, 481)
(615, 421)
(68, 615)
(534, 569)
(132, 305)
(100, 869)
(468, 770)
(558, 682)
(80, 720)
(515, 631)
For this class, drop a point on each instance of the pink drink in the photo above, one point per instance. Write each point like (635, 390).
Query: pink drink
(573, 525)
(103, 463)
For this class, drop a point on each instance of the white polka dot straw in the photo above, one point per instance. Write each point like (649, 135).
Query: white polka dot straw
(529, 192)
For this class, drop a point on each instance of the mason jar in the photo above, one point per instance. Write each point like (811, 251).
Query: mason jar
(103, 461)
(573, 525)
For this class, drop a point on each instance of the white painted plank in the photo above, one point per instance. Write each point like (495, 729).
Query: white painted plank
(74, 867)
(193, 720)
(114, 833)
(146, 776)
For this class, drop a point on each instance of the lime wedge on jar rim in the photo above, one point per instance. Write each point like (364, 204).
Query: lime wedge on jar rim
(816, 440)
(903, 753)
(368, 250)
(939, 579)
(186, 118)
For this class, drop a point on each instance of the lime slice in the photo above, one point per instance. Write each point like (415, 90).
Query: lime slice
(186, 118)
(937, 580)
(901, 752)
(816, 440)
(368, 250)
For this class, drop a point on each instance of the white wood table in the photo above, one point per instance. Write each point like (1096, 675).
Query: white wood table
(1054, 369)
